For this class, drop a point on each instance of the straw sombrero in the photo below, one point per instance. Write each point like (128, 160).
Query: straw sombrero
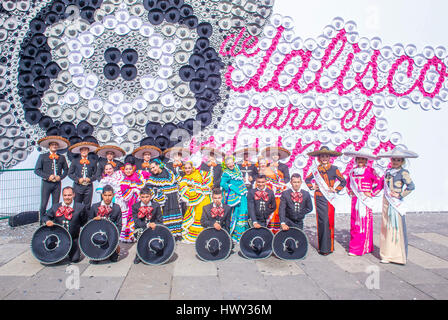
(324, 150)
(361, 154)
(76, 148)
(250, 150)
(282, 152)
(140, 151)
(62, 142)
(398, 152)
(171, 152)
(118, 152)
(212, 151)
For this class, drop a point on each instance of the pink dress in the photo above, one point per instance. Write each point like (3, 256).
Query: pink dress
(361, 230)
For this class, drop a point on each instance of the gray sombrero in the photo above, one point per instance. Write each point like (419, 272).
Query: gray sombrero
(361, 154)
(62, 142)
(76, 148)
(140, 151)
(325, 151)
(171, 152)
(249, 150)
(118, 152)
(398, 152)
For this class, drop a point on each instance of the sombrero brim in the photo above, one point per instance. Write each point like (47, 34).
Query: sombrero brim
(171, 152)
(360, 155)
(282, 152)
(398, 153)
(206, 235)
(58, 254)
(149, 257)
(208, 151)
(251, 151)
(140, 151)
(118, 152)
(282, 236)
(331, 153)
(62, 142)
(76, 148)
(249, 235)
(89, 249)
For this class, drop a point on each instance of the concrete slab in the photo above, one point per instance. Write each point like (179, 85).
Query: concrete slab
(9, 251)
(434, 237)
(276, 267)
(95, 288)
(196, 288)
(23, 265)
(298, 287)
(189, 265)
(111, 269)
(34, 295)
(147, 282)
(259, 295)
(9, 284)
(425, 259)
(234, 279)
(351, 264)
(437, 291)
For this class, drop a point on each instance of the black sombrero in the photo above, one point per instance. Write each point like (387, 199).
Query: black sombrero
(98, 239)
(156, 246)
(291, 244)
(213, 245)
(52, 244)
(256, 243)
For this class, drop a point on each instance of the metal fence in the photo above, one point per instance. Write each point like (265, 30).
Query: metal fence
(19, 191)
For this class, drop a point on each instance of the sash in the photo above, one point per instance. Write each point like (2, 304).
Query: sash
(397, 204)
(365, 200)
(323, 187)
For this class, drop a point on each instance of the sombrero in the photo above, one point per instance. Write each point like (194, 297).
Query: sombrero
(62, 142)
(361, 154)
(118, 152)
(98, 239)
(213, 245)
(171, 152)
(212, 151)
(52, 244)
(240, 153)
(291, 244)
(325, 151)
(76, 148)
(156, 246)
(140, 151)
(398, 152)
(282, 152)
(256, 243)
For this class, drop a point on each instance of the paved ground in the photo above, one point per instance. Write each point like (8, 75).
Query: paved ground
(337, 276)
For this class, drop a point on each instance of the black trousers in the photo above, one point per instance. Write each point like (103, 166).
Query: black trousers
(75, 253)
(48, 188)
(84, 194)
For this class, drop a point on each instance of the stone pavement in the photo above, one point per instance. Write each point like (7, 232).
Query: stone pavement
(337, 276)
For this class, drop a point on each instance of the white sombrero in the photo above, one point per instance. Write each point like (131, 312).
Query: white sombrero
(212, 151)
(140, 151)
(398, 152)
(62, 142)
(76, 148)
(249, 150)
(361, 154)
(171, 152)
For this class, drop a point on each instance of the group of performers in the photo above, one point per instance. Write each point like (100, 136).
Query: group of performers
(167, 188)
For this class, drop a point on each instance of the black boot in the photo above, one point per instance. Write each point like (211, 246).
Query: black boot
(137, 260)
(114, 257)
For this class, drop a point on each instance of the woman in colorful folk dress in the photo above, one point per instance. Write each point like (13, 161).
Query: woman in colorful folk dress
(195, 190)
(133, 181)
(235, 195)
(164, 182)
(325, 175)
(362, 184)
(268, 166)
(397, 185)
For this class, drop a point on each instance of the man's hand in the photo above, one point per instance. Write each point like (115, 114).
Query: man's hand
(51, 178)
(284, 227)
(81, 181)
(257, 225)
(217, 226)
(57, 178)
(49, 223)
(97, 218)
(152, 225)
(87, 180)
